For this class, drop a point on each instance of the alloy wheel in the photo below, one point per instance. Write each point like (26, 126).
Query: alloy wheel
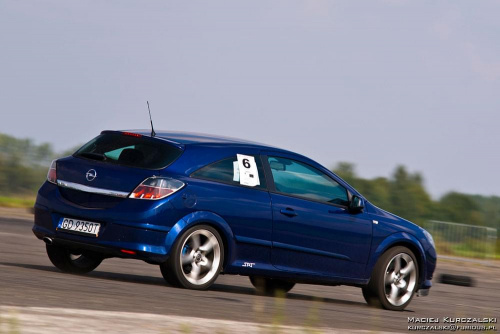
(400, 279)
(200, 257)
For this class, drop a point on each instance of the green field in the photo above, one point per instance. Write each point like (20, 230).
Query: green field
(15, 202)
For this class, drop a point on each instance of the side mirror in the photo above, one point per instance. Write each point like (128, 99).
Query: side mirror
(357, 204)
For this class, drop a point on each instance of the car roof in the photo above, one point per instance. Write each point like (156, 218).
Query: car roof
(182, 139)
(191, 138)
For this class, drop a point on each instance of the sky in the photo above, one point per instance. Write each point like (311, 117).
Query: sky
(375, 83)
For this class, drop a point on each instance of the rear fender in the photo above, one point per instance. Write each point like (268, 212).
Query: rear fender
(206, 218)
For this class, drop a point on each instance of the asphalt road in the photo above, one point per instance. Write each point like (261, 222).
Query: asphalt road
(27, 279)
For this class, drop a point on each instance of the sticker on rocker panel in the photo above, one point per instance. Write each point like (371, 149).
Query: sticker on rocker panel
(249, 175)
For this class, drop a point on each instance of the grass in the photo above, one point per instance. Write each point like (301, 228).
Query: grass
(468, 247)
(17, 202)
(9, 324)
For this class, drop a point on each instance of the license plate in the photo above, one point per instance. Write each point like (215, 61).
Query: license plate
(79, 226)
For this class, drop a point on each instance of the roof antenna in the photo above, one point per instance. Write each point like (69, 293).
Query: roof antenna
(153, 133)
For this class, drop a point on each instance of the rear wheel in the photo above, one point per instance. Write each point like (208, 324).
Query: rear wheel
(72, 262)
(394, 280)
(196, 259)
(270, 286)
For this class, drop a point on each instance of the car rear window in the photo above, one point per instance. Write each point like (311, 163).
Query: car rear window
(128, 150)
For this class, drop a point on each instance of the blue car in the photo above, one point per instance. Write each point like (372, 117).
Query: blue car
(199, 206)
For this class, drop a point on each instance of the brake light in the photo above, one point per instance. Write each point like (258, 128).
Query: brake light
(126, 251)
(154, 188)
(131, 134)
(52, 174)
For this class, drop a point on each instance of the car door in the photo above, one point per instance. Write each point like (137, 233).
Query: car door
(243, 202)
(313, 230)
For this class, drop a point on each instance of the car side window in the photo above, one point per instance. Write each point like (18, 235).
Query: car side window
(301, 180)
(227, 171)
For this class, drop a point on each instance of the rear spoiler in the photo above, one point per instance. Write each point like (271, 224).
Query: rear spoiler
(146, 135)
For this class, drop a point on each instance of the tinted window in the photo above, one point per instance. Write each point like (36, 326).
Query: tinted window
(298, 179)
(224, 171)
(120, 149)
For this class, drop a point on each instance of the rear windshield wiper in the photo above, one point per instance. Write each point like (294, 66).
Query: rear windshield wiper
(93, 156)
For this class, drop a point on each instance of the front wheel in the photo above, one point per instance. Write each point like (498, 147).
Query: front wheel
(196, 259)
(394, 280)
(270, 286)
(72, 262)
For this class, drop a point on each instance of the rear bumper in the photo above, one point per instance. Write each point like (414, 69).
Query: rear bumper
(129, 224)
(104, 251)
(148, 245)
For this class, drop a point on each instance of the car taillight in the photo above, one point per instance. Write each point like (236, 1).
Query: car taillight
(156, 188)
(52, 174)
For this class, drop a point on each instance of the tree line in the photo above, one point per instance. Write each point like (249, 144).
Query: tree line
(404, 194)
(23, 168)
(24, 165)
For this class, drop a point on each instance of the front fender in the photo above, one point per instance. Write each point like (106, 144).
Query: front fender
(399, 239)
(208, 218)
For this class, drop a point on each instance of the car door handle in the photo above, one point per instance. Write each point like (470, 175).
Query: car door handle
(288, 212)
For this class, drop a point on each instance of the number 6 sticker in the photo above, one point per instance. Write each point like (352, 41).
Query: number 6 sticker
(249, 176)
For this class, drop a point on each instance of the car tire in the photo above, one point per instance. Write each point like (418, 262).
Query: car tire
(270, 286)
(370, 297)
(394, 280)
(196, 259)
(70, 262)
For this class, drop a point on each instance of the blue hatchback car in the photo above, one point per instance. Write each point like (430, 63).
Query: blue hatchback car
(199, 205)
